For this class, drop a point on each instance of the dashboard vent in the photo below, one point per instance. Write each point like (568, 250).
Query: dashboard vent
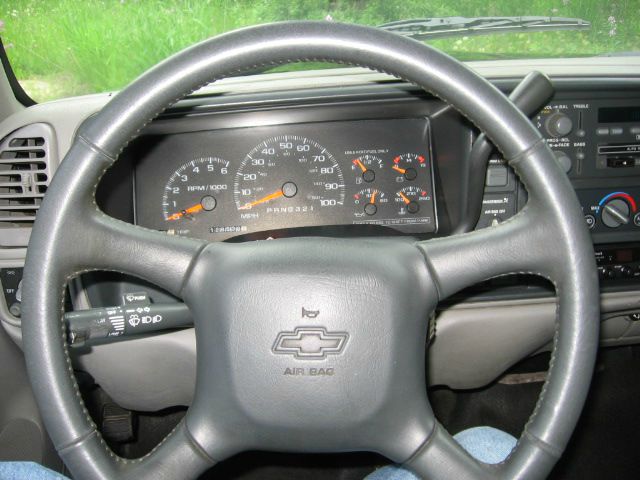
(25, 172)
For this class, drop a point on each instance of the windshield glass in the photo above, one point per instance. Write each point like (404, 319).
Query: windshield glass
(69, 47)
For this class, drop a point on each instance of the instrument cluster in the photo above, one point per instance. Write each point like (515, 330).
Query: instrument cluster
(221, 184)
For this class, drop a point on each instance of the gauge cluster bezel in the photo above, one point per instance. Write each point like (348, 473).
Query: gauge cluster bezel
(170, 160)
(451, 138)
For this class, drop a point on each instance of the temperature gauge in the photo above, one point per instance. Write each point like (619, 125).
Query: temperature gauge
(411, 199)
(409, 166)
(366, 167)
(368, 201)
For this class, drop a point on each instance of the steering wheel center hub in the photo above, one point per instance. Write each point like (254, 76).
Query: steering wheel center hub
(310, 335)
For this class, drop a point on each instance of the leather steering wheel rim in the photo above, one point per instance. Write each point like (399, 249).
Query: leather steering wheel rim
(71, 235)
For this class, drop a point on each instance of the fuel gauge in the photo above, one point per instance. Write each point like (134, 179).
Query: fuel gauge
(409, 166)
(368, 201)
(366, 167)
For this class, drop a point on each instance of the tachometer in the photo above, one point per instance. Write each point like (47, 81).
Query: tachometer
(194, 190)
(288, 175)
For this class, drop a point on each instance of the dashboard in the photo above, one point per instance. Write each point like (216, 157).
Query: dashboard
(388, 161)
(377, 161)
(352, 154)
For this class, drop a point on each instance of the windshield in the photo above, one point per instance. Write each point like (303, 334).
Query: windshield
(69, 47)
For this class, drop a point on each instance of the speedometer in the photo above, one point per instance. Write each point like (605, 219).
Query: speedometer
(287, 175)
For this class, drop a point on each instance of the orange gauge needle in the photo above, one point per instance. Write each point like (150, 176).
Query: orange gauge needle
(404, 197)
(269, 197)
(373, 196)
(398, 169)
(359, 163)
(188, 211)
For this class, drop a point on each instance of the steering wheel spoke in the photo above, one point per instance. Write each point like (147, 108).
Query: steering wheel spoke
(162, 259)
(511, 247)
(442, 457)
(178, 456)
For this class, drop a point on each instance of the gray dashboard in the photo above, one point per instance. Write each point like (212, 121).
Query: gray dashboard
(507, 320)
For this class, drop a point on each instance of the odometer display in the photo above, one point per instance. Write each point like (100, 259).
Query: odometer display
(290, 178)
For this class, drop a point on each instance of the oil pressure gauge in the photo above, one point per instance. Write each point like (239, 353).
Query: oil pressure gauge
(368, 202)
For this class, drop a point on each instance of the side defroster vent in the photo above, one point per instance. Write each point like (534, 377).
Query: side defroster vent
(25, 173)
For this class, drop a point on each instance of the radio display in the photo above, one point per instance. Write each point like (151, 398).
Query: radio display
(619, 114)
(610, 255)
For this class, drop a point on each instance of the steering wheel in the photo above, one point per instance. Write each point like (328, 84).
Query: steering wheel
(359, 363)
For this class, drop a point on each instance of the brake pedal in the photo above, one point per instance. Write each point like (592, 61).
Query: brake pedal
(117, 423)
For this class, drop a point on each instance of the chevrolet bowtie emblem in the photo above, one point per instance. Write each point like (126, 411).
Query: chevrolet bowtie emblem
(311, 343)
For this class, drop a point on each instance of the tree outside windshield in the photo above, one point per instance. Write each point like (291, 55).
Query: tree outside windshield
(74, 47)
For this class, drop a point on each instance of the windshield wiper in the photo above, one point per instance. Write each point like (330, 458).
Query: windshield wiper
(440, 27)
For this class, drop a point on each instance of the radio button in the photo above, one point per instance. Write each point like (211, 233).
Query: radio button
(626, 271)
(591, 221)
(564, 160)
(607, 274)
(616, 131)
(636, 219)
(559, 125)
(602, 131)
(634, 130)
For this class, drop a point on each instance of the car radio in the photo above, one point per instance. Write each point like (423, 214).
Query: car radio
(599, 137)
(618, 261)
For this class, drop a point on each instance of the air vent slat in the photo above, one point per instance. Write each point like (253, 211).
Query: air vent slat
(12, 158)
(21, 154)
(24, 174)
(5, 208)
(26, 142)
(11, 196)
(21, 218)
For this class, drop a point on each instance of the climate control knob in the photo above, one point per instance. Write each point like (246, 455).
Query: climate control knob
(559, 124)
(615, 213)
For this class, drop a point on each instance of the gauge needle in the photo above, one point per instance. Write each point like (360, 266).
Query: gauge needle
(359, 163)
(188, 211)
(404, 197)
(373, 196)
(398, 169)
(269, 197)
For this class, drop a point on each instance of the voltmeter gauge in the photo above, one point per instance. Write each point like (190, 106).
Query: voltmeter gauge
(410, 167)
